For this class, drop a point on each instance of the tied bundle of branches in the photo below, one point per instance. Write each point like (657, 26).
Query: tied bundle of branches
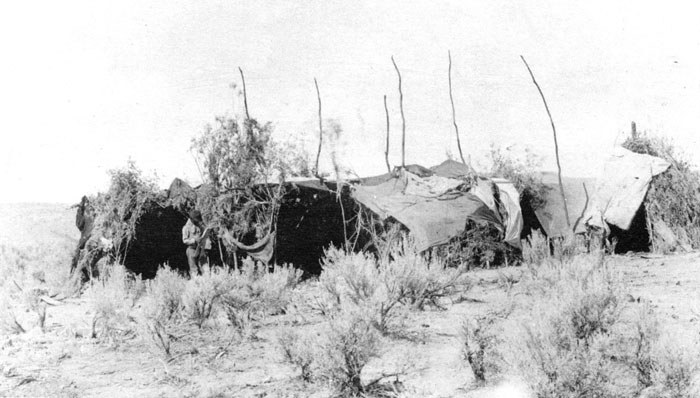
(672, 203)
(480, 245)
(245, 170)
(118, 210)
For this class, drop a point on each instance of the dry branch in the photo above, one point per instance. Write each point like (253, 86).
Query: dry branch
(245, 95)
(556, 145)
(454, 118)
(386, 151)
(403, 118)
(320, 129)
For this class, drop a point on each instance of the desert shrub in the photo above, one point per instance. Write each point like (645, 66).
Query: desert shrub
(156, 326)
(354, 280)
(346, 347)
(477, 341)
(522, 173)
(645, 333)
(166, 289)
(537, 249)
(335, 352)
(299, 350)
(675, 369)
(568, 346)
(673, 200)
(112, 298)
(270, 287)
(204, 292)
(383, 287)
(161, 315)
(665, 365)
(256, 291)
(420, 279)
(582, 337)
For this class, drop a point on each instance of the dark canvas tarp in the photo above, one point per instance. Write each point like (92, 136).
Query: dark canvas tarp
(451, 169)
(431, 208)
(578, 192)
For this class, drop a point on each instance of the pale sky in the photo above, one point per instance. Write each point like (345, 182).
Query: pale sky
(87, 85)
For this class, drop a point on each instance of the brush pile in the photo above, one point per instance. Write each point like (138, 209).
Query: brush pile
(672, 203)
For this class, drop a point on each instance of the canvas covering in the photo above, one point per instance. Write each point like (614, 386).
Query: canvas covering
(622, 187)
(434, 208)
(613, 197)
(512, 218)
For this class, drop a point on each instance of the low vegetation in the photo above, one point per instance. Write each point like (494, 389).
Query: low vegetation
(382, 289)
(581, 336)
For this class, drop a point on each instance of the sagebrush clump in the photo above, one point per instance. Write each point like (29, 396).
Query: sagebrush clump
(112, 297)
(204, 292)
(583, 337)
(256, 292)
(382, 287)
(565, 347)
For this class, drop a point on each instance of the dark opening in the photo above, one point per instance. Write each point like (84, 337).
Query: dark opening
(636, 238)
(158, 240)
(310, 220)
(530, 221)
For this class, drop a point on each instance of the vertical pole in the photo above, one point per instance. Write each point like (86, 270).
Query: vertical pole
(454, 118)
(556, 145)
(403, 118)
(386, 150)
(245, 94)
(320, 129)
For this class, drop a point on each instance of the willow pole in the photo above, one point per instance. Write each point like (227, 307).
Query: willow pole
(245, 95)
(403, 118)
(556, 144)
(386, 150)
(452, 101)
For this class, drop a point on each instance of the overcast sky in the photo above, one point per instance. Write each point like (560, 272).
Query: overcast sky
(87, 85)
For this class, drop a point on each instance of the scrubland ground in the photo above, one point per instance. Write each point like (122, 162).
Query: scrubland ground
(568, 326)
